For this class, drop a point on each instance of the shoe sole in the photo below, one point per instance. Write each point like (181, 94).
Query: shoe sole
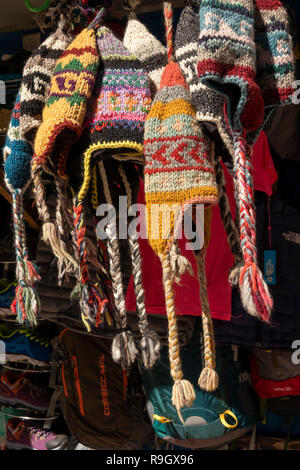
(14, 402)
(16, 446)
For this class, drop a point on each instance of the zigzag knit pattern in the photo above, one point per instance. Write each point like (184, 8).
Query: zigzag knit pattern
(209, 104)
(72, 84)
(227, 59)
(275, 57)
(149, 50)
(178, 168)
(121, 101)
(36, 80)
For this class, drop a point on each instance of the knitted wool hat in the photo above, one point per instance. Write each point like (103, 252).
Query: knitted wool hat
(179, 171)
(17, 155)
(149, 50)
(71, 87)
(227, 56)
(209, 104)
(227, 59)
(115, 128)
(36, 79)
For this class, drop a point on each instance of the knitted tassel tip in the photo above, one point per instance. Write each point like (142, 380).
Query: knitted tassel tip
(150, 348)
(208, 380)
(255, 294)
(26, 305)
(124, 350)
(183, 395)
(234, 276)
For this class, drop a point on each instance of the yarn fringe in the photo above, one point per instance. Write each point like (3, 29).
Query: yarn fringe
(183, 395)
(124, 350)
(150, 348)
(209, 379)
(91, 305)
(26, 305)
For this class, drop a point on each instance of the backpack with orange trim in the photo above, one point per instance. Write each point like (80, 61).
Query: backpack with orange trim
(102, 406)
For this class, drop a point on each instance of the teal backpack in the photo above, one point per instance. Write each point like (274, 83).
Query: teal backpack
(215, 418)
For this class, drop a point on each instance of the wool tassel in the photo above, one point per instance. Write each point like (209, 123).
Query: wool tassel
(183, 393)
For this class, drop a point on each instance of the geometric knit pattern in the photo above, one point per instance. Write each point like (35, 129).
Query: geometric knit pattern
(17, 153)
(178, 168)
(209, 103)
(36, 79)
(147, 48)
(275, 56)
(121, 100)
(227, 59)
(71, 87)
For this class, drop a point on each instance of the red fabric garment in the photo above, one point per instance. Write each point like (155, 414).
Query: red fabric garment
(219, 259)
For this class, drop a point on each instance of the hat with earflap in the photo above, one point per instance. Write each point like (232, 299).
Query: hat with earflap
(63, 116)
(115, 131)
(209, 104)
(36, 79)
(179, 172)
(17, 155)
(227, 63)
(147, 48)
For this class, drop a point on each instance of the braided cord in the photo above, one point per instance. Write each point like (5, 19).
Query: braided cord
(168, 15)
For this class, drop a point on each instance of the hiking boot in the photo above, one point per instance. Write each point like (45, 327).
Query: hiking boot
(22, 435)
(19, 390)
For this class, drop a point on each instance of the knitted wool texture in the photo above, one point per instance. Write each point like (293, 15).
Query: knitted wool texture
(227, 59)
(149, 50)
(71, 86)
(178, 158)
(36, 80)
(209, 103)
(121, 102)
(17, 155)
(275, 57)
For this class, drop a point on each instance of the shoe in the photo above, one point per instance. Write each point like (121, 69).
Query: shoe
(19, 390)
(22, 435)
(25, 346)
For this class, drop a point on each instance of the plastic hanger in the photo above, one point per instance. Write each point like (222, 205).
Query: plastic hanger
(33, 9)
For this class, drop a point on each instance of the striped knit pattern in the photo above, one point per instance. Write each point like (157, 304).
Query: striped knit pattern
(36, 80)
(227, 59)
(208, 103)
(275, 57)
(179, 166)
(17, 156)
(72, 84)
(149, 50)
(121, 101)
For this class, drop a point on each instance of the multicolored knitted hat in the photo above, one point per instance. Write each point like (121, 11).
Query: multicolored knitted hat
(71, 87)
(149, 50)
(209, 104)
(227, 59)
(179, 172)
(17, 156)
(36, 79)
(115, 130)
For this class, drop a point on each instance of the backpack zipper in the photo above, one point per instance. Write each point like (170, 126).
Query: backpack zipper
(77, 382)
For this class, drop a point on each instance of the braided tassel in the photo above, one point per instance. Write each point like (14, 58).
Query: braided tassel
(168, 14)
(26, 304)
(254, 291)
(91, 304)
(65, 263)
(124, 350)
(208, 380)
(183, 393)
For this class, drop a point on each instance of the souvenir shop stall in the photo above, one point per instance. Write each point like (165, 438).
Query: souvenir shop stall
(150, 225)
